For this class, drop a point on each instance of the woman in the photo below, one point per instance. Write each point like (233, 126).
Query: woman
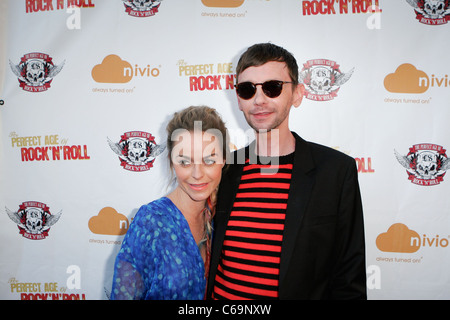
(165, 253)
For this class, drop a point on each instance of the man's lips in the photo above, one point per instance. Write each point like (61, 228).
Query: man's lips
(261, 115)
(199, 186)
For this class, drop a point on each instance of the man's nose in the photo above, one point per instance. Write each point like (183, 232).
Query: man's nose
(260, 97)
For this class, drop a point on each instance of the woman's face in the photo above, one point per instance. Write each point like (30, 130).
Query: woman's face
(197, 159)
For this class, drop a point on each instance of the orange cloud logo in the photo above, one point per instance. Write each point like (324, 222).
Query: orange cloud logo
(398, 238)
(407, 79)
(109, 222)
(223, 3)
(112, 70)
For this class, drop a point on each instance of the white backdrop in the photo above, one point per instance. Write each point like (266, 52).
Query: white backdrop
(77, 84)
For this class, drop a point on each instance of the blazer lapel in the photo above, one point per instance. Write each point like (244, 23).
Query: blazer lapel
(302, 183)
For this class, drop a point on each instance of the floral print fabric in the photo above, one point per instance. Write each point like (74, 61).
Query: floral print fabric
(159, 259)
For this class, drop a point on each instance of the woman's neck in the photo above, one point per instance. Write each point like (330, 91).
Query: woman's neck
(189, 207)
(192, 212)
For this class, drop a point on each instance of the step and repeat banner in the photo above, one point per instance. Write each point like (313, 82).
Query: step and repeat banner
(87, 87)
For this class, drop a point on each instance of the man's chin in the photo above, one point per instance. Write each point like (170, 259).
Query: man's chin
(262, 131)
(260, 127)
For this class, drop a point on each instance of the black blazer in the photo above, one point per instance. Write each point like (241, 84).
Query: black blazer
(323, 250)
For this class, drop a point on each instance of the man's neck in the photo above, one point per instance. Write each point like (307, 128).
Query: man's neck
(274, 143)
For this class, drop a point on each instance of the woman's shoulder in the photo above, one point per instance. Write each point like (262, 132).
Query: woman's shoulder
(158, 210)
(158, 206)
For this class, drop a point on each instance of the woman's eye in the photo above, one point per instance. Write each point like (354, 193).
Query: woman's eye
(184, 163)
(209, 162)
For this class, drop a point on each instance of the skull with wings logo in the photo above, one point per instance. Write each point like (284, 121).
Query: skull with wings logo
(426, 164)
(33, 219)
(35, 71)
(322, 79)
(137, 150)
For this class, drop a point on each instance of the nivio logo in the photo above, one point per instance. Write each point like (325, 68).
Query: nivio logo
(399, 238)
(109, 222)
(223, 3)
(115, 70)
(408, 79)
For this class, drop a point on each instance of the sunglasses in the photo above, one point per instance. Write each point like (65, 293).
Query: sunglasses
(271, 88)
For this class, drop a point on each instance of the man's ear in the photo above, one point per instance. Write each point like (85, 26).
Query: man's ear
(298, 94)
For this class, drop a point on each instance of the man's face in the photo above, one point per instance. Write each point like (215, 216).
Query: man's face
(262, 112)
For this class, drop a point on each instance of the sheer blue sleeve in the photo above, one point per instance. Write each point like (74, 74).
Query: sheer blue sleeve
(130, 272)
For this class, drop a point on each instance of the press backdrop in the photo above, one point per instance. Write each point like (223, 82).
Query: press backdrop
(86, 88)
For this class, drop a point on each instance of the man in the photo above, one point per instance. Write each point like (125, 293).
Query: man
(289, 221)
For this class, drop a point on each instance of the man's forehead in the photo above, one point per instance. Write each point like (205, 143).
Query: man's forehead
(267, 70)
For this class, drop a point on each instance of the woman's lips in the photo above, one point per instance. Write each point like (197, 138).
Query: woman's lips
(199, 186)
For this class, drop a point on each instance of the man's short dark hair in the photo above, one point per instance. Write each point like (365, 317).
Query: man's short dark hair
(262, 53)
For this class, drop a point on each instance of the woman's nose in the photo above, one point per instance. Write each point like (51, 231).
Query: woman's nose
(197, 171)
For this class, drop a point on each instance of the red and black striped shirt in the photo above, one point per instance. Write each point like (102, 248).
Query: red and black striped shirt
(250, 260)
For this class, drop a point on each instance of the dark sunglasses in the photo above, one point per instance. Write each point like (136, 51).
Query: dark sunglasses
(271, 88)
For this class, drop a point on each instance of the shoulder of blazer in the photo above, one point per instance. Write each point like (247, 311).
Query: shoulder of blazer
(311, 154)
(303, 158)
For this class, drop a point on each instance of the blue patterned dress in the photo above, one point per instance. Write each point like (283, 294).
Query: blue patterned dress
(159, 258)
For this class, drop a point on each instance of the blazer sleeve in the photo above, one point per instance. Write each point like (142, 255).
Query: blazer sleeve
(349, 274)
